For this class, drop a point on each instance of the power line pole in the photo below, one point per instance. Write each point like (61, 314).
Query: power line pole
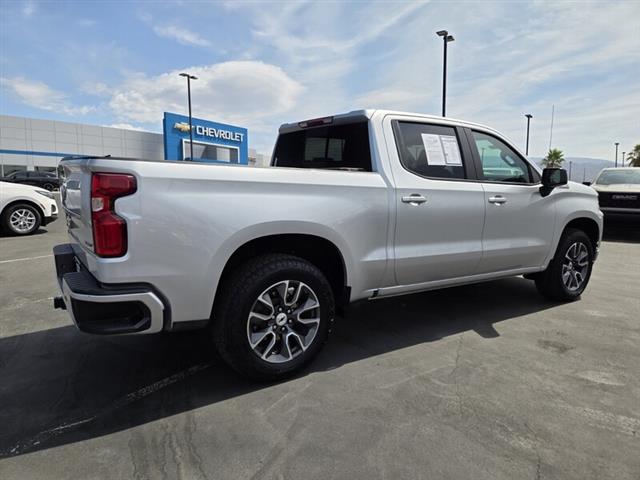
(616, 144)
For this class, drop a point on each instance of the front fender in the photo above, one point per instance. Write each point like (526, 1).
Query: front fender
(574, 202)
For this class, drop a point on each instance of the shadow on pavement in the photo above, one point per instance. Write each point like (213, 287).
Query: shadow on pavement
(622, 230)
(60, 386)
(5, 234)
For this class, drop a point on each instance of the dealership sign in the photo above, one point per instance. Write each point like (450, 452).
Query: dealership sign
(212, 141)
(210, 132)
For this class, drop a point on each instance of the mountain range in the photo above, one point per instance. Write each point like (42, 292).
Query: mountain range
(581, 169)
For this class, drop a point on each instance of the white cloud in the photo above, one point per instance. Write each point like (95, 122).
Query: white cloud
(181, 35)
(29, 8)
(391, 98)
(86, 22)
(40, 95)
(126, 126)
(242, 92)
(99, 89)
(324, 45)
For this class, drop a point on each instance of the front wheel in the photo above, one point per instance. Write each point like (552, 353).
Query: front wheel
(21, 219)
(273, 316)
(569, 271)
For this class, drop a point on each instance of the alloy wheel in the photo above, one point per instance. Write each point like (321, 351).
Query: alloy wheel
(283, 321)
(575, 266)
(22, 220)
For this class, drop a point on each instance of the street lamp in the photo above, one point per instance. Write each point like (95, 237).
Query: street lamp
(446, 38)
(529, 117)
(622, 158)
(616, 144)
(189, 78)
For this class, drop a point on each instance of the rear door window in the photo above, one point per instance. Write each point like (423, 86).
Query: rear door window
(343, 147)
(428, 150)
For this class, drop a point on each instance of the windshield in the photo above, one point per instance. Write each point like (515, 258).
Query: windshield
(613, 177)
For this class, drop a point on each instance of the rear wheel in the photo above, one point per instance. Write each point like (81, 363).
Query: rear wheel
(273, 316)
(569, 271)
(21, 219)
(49, 186)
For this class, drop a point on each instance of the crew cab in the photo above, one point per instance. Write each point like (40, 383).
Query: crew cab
(358, 206)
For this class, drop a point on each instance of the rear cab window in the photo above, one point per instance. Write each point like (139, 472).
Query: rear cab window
(334, 147)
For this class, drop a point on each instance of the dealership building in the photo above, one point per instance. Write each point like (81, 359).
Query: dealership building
(34, 144)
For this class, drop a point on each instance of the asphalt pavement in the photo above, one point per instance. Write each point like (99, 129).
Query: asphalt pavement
(488, 381)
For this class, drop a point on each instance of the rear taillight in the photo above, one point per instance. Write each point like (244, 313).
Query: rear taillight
(109, 230)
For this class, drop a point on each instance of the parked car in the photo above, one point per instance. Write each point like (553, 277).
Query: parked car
(46, 180)
(23, 209)
(618, 191)
(363, 205)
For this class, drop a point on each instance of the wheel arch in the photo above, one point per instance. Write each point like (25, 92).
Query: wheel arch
(589, 226)
(29, 202)
(318, 250)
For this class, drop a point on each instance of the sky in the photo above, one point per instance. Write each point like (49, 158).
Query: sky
(261, 64)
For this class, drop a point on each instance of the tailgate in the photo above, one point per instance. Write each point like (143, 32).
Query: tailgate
(75, 193)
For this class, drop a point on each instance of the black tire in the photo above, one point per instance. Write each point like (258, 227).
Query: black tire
(550, 282)
(9, 211)
(237, 298)
(48, 186)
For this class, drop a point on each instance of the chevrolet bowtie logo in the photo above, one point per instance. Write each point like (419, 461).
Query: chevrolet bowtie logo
(183, 127)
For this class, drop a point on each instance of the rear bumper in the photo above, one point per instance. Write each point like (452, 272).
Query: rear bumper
(53, 217)
(105, 309)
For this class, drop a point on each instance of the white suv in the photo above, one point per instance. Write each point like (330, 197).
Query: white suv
(23, 208)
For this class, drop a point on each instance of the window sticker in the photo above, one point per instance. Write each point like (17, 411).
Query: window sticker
(433, 149)
(451, 149)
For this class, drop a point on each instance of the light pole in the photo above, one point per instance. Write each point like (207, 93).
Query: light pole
(622, 159)
(189, 78)
(529, 117)
(446, 39)
(616, 144)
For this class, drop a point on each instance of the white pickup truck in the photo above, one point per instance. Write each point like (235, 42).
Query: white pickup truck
(362, 205)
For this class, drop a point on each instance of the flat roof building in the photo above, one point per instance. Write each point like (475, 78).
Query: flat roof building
(34, 144)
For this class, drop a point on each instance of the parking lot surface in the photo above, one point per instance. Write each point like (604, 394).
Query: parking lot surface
(488, 381)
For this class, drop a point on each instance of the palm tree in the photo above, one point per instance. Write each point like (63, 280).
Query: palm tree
(634, 156)
(553, 159)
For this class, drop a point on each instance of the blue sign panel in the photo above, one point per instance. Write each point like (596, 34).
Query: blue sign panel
(212, 142)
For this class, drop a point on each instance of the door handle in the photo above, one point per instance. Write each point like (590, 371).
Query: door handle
(497, 200)
(414, 199)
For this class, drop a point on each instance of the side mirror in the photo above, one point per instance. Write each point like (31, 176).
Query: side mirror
(588, 184)
(552, 178)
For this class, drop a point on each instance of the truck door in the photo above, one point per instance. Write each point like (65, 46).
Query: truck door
(440, 208)
(519, 223)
